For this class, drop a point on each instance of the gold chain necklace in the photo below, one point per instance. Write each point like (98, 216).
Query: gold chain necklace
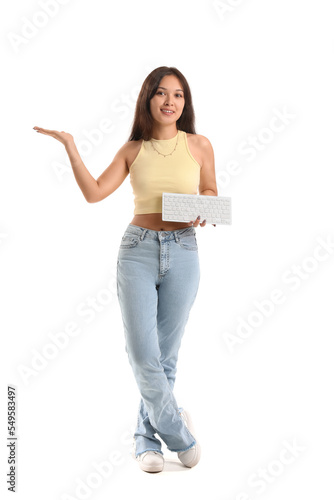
(169, 154)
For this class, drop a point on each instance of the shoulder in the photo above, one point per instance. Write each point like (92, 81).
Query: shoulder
(203, 151)
(131, 150)
(202, 145)
(199, 140)
(132, 144)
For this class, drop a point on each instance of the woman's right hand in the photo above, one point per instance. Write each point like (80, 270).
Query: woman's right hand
(63, 137)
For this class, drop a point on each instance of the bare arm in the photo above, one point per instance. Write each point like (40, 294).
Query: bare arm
(93, 190)
(114, 175)
(85, 180)
(207, 184)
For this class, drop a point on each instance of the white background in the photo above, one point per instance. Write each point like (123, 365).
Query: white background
(245, 61)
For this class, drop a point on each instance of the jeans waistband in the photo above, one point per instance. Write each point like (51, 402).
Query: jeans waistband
(174, 234)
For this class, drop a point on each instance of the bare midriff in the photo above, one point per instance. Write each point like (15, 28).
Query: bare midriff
(155, 222)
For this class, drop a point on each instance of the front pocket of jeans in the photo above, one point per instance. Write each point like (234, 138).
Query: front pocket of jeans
(188, 242)
(129, 241)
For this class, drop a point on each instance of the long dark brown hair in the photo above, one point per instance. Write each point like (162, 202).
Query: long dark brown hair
(143, 121)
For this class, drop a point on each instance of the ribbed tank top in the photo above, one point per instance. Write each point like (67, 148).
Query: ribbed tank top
(151, 174)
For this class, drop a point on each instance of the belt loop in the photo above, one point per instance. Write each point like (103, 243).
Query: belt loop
(142, 236)
(176, 236)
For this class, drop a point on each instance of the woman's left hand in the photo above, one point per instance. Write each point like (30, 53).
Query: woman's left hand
(197, 221)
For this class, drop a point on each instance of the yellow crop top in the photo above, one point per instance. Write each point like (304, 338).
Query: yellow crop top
(151, 173)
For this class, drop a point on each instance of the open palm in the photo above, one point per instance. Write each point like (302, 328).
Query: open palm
(63, 137)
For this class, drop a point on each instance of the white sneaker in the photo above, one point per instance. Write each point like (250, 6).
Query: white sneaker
(191, 457)
(151, 461)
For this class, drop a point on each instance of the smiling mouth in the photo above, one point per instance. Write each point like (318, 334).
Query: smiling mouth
(167, 112)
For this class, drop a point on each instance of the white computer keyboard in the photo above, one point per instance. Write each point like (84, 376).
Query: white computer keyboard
(181, 207)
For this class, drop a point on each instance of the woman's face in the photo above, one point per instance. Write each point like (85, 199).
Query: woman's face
(169, 97)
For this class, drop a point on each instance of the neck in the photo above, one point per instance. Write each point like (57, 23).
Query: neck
(164, 132)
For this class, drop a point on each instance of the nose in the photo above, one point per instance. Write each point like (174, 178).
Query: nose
(168, 100)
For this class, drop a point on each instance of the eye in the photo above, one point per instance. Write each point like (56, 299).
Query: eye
(160, 92)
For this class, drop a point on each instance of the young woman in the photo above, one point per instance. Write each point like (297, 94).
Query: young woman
(158, 265)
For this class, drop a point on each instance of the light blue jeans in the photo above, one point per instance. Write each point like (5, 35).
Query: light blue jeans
(157, 281)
